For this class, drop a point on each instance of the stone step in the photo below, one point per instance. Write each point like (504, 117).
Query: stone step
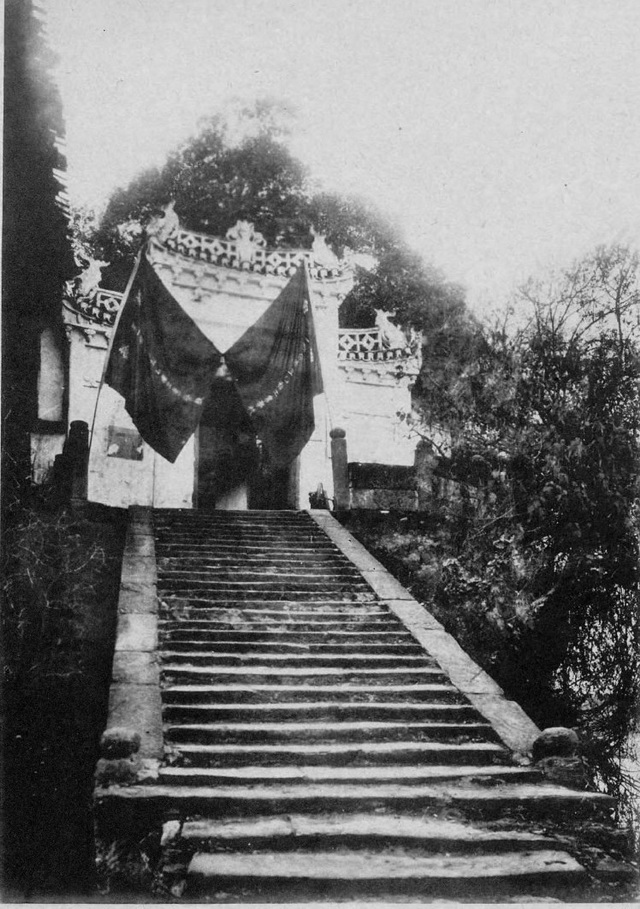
(257, 544)
(181, 566)
(233, 621)
(263, 591)
(342, 754)
(183, 632)
(352, 731)
(294, 648)
(202, 601)
(299, 660)
(267, 694)
(313, 711)
(279, 526)
(250, 553)
(255, 520)
(272, 528)
(308, 676)
(300, 875)
(297, 831)
(525, 799)
(405, 775)
(200, 607)
(314, 557)
(213, 593)
(263, 578)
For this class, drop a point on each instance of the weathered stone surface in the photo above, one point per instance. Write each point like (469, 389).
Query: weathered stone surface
(385, 585)
(307, 717)
(392, 864)
(568, 771)
(135, 667)
(556, 741)
(392, 499)
(609, 869)
(388, 827)
(413, 616)
(508, 719)
(119, 742)
(137, 595)
(486, 802)
(121, 771)
(139, 707)
(381, 476)
(137, 631)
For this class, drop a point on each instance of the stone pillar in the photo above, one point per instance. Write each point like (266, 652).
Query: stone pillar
(340, 467)
(425, 462)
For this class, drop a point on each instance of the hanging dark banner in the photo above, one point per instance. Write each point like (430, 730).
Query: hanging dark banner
(165, 368)
(161, 364)
(277, 370)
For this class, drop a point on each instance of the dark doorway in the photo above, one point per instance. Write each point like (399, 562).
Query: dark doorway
(229, 456)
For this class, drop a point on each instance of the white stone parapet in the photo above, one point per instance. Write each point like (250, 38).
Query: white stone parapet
(245, 248)
(368, 344)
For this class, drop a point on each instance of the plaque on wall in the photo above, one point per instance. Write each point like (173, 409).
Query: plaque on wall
(124, 443)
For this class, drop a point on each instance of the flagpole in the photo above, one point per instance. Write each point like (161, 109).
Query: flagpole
(125, 298)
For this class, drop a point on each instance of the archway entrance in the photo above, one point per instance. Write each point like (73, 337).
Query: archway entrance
(231, 470)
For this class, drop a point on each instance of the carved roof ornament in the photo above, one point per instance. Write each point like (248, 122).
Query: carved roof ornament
(322, 253)
(86, 284)
(247, 241)
(163, 226)
(392, 336)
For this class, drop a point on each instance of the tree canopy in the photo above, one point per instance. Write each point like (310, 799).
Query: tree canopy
(546, 419)
(240, 167)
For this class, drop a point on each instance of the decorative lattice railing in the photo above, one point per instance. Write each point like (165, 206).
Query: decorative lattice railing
(248, 254)
(367, 344)
(101, 306)
(353, 343)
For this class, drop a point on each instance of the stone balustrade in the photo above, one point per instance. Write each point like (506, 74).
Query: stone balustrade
(248, 252)
(367, 344)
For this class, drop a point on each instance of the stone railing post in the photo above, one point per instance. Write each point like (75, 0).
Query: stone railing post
(339, 463)
(78, 450)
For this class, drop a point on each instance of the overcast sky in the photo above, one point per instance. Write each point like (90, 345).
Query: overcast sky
(504, 135)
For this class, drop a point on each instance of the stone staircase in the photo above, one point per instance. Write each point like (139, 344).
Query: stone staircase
(313, 749)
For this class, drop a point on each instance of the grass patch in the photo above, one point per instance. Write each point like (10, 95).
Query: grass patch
(60, 588)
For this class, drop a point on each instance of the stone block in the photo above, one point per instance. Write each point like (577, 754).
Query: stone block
(388, 477)
(509, 720)
(138, 595)
(117, 771)
(137, 631)
(566, 771)
(119, 742)
(385, 585)
(414, 615)
(135, 667)
(138, 707)
(385, 499)
(556, 741)
(463, 671)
